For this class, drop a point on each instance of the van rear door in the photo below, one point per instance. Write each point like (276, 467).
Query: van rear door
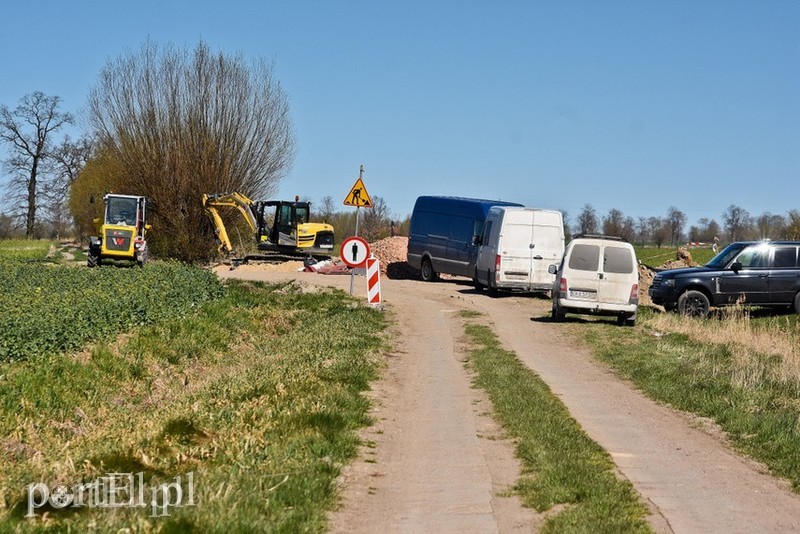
(583, 275)
(548, 236)
(618, 268)
(515, 242)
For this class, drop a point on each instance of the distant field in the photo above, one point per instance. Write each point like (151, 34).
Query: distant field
(654, 256)
(23, 250)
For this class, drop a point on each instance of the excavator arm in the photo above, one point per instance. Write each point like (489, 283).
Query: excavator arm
(213, 203)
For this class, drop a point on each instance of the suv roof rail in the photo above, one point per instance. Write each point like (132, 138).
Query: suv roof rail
(598, 236)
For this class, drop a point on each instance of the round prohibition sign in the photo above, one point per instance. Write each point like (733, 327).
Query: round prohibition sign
(354, 252)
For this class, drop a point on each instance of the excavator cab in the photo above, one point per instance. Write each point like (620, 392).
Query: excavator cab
(121, 231)
(284, 225)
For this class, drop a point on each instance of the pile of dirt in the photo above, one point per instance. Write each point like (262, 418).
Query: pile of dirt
(683, 258)
(391, 252)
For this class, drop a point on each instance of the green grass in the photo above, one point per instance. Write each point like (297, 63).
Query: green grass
(561, 464)
(23, 250)
(258, 394)
(746, 391)
(50, 308)
(655, 257)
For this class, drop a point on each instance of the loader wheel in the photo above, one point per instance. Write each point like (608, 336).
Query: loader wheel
(92, 261)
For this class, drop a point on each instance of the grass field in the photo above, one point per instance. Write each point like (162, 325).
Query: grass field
(655, 257)
(254, 393)
(23, 250)
(562, 466)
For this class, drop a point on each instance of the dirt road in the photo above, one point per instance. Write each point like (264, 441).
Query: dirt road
(434, 460)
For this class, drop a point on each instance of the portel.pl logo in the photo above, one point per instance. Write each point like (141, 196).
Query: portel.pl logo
(115, 490)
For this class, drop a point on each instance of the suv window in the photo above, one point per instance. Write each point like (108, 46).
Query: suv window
(585, 257)
(785, 257)
(617, 260)
(754, 257)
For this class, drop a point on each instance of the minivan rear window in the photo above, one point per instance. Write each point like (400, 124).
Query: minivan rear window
(585, 258)
(618, 260)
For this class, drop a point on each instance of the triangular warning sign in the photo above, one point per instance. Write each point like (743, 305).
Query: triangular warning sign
(358, 196)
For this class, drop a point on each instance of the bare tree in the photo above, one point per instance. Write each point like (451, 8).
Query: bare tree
(642, 229)
(67, 160)
(185, 123)
(738, 222)
(27, 130)
(613, 223)
(327, 209)
(676, 221)
(792, 230)
(587, 220)
(770, 226)
(375, 221)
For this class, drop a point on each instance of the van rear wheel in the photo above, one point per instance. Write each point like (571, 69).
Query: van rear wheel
(426, 271)
(492, 289)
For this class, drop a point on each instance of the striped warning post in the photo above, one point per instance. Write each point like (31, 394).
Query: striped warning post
(373, 281)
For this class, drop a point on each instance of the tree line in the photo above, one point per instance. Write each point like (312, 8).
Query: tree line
(736, 224)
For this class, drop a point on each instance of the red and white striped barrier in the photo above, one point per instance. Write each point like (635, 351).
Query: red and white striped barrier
(373, 281)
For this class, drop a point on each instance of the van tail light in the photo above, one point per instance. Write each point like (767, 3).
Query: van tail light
(562, 287)
(497, 268)
(634, 298)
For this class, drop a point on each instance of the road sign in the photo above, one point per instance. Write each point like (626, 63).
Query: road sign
(354, 252)
(358, 196)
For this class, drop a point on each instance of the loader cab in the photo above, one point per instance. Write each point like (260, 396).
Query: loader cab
(121, 230)
(125, 211)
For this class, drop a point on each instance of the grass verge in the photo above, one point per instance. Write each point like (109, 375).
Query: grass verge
(257, 395)
(562, 466)
(742, 372)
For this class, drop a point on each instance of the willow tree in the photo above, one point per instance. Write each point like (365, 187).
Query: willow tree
(181, 123)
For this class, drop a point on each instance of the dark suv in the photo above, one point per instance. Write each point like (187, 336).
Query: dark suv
(762, 273)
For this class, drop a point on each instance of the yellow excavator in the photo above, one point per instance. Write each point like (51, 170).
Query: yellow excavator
(279, 226)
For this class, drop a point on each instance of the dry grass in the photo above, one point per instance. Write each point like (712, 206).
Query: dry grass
(761, 350)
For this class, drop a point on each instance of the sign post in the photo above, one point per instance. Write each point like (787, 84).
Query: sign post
(358, 198)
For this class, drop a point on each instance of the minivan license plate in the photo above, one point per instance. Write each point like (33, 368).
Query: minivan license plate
(582, 294)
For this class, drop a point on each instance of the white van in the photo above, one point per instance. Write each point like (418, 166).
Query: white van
(516, 248)
(598, 275)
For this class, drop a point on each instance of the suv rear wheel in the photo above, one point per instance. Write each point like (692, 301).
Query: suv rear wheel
(693, 303)
(797, 303)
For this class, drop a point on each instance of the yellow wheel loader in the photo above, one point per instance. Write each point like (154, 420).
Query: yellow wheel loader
(278, 226)
(121, 231)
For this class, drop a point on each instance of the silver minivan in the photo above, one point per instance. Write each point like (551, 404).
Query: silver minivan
(598, 275)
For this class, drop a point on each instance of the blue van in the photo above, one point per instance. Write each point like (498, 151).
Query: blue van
(445, 232)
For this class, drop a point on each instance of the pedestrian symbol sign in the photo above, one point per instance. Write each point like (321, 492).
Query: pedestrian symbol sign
(354, 252)
(358, 196)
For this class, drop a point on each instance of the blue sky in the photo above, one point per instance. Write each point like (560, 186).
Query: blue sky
(635, 105)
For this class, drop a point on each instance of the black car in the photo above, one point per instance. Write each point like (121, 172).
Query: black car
(762, 273)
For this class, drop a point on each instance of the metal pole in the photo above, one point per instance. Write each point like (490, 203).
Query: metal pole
(358, 209)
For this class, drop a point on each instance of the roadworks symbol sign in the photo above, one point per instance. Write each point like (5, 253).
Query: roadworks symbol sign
(358, 196)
